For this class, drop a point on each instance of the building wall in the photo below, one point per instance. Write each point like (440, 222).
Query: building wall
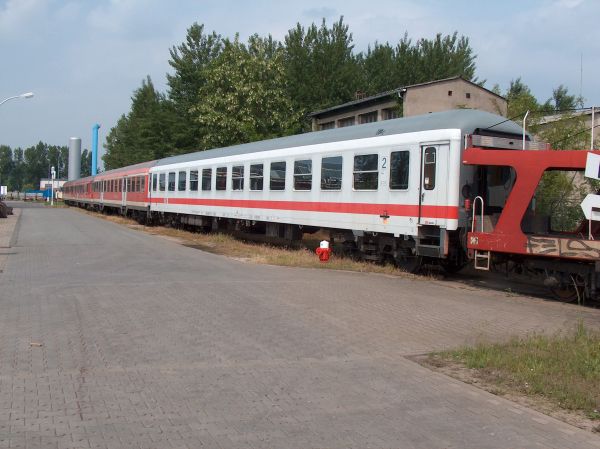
(451, 94)
(417, 100)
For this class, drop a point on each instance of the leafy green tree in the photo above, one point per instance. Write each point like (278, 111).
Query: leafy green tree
(37, 165)
(86, 163)
(320, 66)
(15, 179)
(245, 97)
(189, 61)
(6, 164)
(145, 133)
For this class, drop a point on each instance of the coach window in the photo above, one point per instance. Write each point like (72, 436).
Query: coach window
(277, 176)
(221, 178)
(331, 173)
(154, 182)
(366, 174)
(303, 175)
(129, 184)
(171, 184)
(143, 184)
(429, 168)
(256, 177)
(161, 182)
(182, 184)
(399, 165)
(206, 178)
(237, 177)
(194, 180)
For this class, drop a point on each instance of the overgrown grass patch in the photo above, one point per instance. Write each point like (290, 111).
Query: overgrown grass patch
(564, 368)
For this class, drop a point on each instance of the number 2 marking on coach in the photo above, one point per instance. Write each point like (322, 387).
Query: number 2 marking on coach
(384, 162)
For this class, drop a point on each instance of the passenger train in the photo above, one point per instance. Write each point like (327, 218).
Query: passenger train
(401, 189)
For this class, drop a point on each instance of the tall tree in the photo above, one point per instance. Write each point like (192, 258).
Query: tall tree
(6, 164)
(189, 61)
(145, 133)
(320, 66)
(245, 96)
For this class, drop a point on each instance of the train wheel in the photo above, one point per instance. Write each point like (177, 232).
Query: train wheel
(408, 261)
(571, 291)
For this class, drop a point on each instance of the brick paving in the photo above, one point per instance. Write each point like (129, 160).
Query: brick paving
(112, 338)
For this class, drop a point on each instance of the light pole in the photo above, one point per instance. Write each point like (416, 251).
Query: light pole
(25, 95)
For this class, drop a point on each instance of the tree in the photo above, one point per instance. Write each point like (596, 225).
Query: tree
(145, 133)
(86, 163)
(320, 67)
(6, 164)
(245, 96)
(190, 61)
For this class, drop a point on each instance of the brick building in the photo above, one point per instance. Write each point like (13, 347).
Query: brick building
(433, 96)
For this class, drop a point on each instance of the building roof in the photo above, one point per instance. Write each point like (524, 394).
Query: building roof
(551, 118)
(467, 120)
(396, 91)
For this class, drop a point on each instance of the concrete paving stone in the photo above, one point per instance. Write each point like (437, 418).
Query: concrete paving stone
(145, 343)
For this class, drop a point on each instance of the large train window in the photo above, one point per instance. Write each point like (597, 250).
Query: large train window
(237, 177)
(143, 184)
(221, 178)
(154, 182)
(429, 168)
(256, 177)
(171, 185)
(182, 181)
(194, 180)
(161, 182)
(303, 175)
(277, 176)
(206, 178)
(399, 169)
(331, 173)
(366, 172)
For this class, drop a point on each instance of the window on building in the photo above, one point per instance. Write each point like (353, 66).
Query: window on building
(182, 181)
(331, 173)
(327, 125)
(256, 177)
(369, 117)
(194, 180)
(303, 175)
(390, 113)
(171, 185)
(237, 177)
(277, 176)
(399, 169)
(449, 93)
(429, 159)
(366, 172)
(468, 95)
(161, 182)
(349, 121)
(221, 178)
(206, 178)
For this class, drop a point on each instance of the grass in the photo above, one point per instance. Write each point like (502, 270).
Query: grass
(563, 368)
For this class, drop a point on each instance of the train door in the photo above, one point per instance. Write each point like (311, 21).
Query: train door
(102, 185)
(433, 185)
(124, 192)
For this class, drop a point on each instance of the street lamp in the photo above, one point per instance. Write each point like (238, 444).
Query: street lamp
(25, 95)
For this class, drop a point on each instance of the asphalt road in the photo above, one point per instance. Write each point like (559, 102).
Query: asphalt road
(113, 338)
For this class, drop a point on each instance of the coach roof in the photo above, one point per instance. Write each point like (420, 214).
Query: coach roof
(467, 120)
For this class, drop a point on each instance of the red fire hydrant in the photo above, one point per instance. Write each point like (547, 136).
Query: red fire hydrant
(323, 251)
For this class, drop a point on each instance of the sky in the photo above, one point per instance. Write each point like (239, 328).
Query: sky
(84, 58)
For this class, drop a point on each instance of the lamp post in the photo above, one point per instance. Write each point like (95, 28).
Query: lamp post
(25, 95)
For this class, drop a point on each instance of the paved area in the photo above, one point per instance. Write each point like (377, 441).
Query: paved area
(112, 338)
